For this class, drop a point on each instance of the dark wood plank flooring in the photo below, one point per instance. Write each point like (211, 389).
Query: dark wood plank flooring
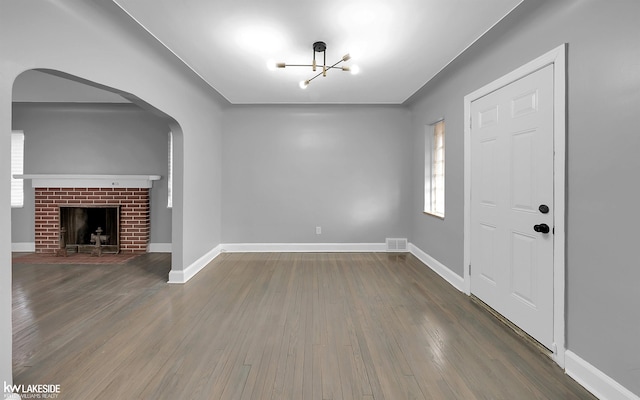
(269, 326)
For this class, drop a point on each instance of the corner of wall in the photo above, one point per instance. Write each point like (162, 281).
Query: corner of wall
(446, 273)
(182, 276)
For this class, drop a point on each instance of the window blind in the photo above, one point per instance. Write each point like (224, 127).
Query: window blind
(17, 168)
(170, 173)
(437, 178)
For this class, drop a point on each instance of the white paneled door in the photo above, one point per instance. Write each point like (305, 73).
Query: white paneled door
(512, 202)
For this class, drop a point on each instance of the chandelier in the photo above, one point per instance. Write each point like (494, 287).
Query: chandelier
(321, 47)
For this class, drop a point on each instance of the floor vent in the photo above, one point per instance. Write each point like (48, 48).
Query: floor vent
(397, 245)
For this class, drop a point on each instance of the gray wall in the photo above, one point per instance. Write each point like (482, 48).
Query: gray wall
(288, 169)
(92, 139)
(603, 317)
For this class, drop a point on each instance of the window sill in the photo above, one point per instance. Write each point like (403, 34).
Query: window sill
(439, 216)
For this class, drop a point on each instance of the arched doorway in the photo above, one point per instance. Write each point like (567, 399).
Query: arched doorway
(74, 126)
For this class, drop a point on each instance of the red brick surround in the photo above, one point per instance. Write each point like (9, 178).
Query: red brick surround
(134, 214)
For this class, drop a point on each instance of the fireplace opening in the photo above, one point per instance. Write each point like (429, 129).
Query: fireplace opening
(83, 226)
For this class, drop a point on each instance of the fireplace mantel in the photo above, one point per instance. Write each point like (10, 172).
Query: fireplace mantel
(91, 181)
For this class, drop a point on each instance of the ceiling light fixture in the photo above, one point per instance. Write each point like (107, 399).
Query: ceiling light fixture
(321, 47)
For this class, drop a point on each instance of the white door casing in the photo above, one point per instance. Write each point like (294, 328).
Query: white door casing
(520, 203)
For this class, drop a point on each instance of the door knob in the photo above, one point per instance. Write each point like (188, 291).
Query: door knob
(543, 208)
(542, 228)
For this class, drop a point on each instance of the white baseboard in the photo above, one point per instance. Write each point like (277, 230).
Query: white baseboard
(594, 380)
(303, 247)
(26, 247)
(454, 279)
(159, 248)
(189, 272)
(186, 274)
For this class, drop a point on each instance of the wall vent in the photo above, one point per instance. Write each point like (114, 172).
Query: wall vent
(397, 245)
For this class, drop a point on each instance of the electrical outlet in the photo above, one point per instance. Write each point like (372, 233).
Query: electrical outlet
(318, 230)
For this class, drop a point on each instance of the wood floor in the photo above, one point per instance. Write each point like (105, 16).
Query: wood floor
(269, 326)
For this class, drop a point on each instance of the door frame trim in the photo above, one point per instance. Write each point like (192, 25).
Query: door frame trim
(557, 58)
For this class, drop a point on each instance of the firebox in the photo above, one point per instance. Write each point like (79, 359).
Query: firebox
(84, 226)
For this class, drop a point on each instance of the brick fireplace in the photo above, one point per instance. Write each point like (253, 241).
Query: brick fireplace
(125, 196)
(132, 202)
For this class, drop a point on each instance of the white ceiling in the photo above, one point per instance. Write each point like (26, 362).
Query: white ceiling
(398, 44)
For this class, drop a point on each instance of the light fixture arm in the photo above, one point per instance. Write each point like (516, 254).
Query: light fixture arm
(325, 69)
(324, 64)
(283, 65)
(313, 67)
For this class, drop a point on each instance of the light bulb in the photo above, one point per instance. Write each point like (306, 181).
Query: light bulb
(304, 84)
(271, 65)
(355, 70)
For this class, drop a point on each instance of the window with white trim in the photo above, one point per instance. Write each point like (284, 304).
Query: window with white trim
(434, 169)
(170, 173)
(17, 168)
